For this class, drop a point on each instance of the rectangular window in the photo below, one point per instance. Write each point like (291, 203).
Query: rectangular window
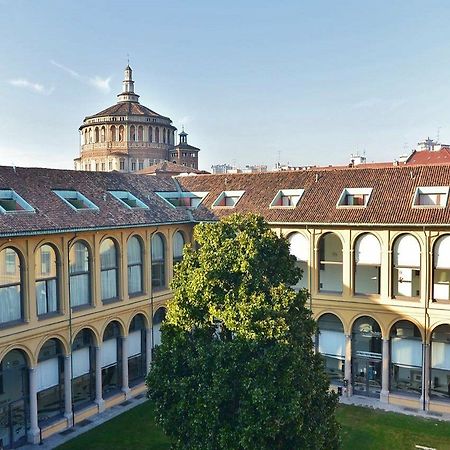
(11, 202)
(354, 197)
(183, 199)
(76, 200)
(133, 166)
(128, 199)
(110, 165)
(141, 165)
(122, 165)
(228, 199)
(287, 198)
(103, 167)
(431, 196)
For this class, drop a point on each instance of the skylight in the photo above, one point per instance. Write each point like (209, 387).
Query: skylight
(354, 197)
(431, 196)
(228, 199)
(128, 199)
(76, 200)
(287, 198)
(11, 202)
(183, 199)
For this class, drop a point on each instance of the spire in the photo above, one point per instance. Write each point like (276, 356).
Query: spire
(128, 94)
(183, 136)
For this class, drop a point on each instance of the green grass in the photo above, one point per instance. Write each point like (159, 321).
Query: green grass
(362, 428)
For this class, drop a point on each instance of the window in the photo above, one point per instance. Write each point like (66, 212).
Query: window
(110, 165)
(132, 133)
(158, 262)
(157, 135)
(103, 167)
(352, 197)
(122, 164)
(367, 265)
(135, 270)
(46, 280)
(150, 134)
(83, 368)
(136, 350)
(440, 363)
(299, 247)
(406, 266)
(109, 269)
(76, 200)
(10, 286)
(141, 165)
(178, 245)
(113, 133)
(11, 202)
(133, 166)
(228, 199)
(140, 133)
(80, 275)
(286, 198)
(183, 199)
(330, 260)
(121, 133)
(441, 269)
(435, 196)
(111, 359)
(128, 199)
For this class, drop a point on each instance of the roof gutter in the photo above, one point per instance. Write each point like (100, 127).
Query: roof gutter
(349, 224)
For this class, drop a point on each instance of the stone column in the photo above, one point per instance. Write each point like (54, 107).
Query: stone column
(348, 364)
(68, 414)
(33, 432)
(425, 398)
(149, 346)
(98, 379)
(384, 395)
(125, 387)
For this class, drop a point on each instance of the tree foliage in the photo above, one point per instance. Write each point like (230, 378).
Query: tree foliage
(236, 367)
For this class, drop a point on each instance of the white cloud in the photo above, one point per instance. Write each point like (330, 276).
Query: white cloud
(102, 84)
(31, 86)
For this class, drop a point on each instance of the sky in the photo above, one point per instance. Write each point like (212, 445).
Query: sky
(253, 82)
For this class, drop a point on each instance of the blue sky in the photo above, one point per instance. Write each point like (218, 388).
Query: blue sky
(252, 81)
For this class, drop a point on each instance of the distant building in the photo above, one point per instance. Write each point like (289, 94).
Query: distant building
(128, 136)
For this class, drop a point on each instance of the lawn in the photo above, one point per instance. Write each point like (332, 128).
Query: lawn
(362, 428)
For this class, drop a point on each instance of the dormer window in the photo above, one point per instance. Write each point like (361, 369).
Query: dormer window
(128, 199)
(76, 200)
(183, 199)
(11, 202)
(228, 199)
(431, 196)
(354, 197)
(287, 198)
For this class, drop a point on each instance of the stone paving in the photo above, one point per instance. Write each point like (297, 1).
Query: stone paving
(94, 421)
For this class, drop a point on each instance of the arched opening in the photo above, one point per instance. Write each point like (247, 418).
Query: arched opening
(83, 368)
(109, 269)
(102, 134)
(113, 133)
(91, 138)
(111, 359)
(406, 358)
(121, 133)
(14, 399)
(406, 267)
(331, 345)
(11, 280)
(178, 245)
(299, 247)
(441, 269)
(50, 381)
(367, 265)
(157, 135)
(80, 275)
(164, 135)
(97, 135)
(158, 262)
(158, 319)
(140, 136)
(47, 276)
(440, 363)
(330, 263)
(366, 356)
(150, 134)
(132, 133)
(135, 266)
(136, 350)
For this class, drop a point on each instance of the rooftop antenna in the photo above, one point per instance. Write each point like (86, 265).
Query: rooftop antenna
(128, 58)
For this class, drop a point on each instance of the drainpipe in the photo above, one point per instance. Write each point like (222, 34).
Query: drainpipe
(426, 352)
(310, 264)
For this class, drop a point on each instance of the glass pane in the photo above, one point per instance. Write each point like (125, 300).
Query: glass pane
(79, 258)
(45, 262)
(79, 290)
(10, 304)
(109, 284)
(10, 267)
(134, 251)
(157, 248)
(108, 254)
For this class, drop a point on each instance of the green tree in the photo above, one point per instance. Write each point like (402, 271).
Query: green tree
(236, 367)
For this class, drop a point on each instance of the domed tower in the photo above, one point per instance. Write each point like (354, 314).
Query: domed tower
(126, 136)
(184, 153)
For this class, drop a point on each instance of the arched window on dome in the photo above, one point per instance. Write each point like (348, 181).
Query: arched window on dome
(164, 135)
(113, 133)
(90, 136)
(96, 134)
(157, 135)
(140, 133)
(121, 133)
(150, 134)
(86, 136)
(132, 133)
(102, 134)
(169, 137)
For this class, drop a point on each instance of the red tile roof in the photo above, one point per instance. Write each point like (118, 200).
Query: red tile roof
(390, 202)
(126, 109)
(441, 156)
(168, 168)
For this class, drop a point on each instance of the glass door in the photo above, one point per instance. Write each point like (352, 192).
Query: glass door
(366, 376)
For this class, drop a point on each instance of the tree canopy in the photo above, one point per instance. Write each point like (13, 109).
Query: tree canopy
(236, 368)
